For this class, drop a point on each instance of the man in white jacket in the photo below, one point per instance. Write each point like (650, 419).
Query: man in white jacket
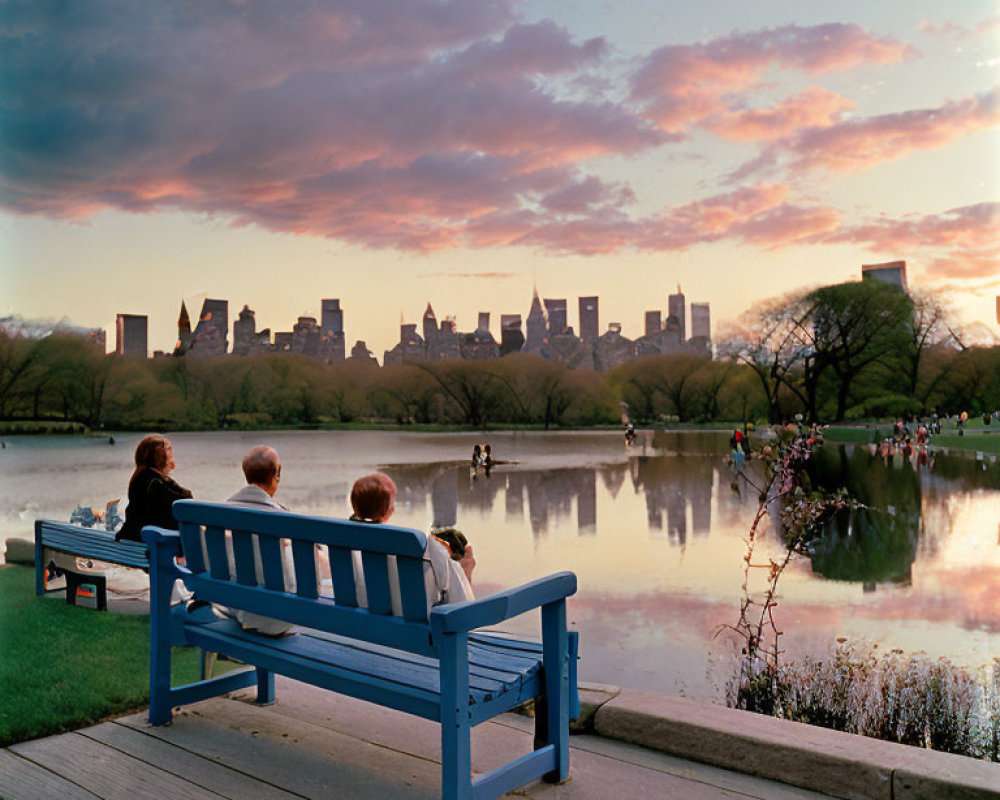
(262, 469)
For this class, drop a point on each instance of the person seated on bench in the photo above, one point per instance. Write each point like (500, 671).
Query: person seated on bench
(448, 580)
(262, 469)
(151, 490)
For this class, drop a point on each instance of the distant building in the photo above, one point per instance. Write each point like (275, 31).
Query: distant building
(211, 336)
(183, 331)
(430, 326)
(701, 321)
(612, 349)
(362, 355)
(511, 337)
(484, 321)
(654, 322)
(589, 321)
(891, 272)
(99, 339)
(332, 317)
(131, 335)
(555, 309)
(246, 339)
(536, 327)
(333, 343)
(675, 308)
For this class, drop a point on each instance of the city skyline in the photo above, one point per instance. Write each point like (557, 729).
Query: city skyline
(463, 150)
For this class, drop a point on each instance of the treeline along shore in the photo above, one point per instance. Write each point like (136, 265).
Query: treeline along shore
(63, 379)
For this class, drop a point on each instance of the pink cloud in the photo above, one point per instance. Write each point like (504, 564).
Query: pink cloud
(858, 144)
(961, 243)
(812, 108)
(682, 85)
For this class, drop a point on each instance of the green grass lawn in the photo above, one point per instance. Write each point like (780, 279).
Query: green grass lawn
(63, 667)
(975, 439)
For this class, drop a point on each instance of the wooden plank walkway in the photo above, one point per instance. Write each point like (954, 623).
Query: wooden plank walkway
(314, 744)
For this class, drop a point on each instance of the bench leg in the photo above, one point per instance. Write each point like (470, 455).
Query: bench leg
(265, 687)
(552, 724)
(456, 753)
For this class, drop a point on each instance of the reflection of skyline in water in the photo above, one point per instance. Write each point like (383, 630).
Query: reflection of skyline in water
(677, 493)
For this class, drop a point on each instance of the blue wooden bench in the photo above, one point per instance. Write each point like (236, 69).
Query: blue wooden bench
(83, 543)
(433, 665)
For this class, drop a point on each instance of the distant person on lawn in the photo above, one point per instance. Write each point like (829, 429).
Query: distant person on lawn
(151, 490)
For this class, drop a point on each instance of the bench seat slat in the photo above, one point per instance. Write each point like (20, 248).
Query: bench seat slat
(485, 677)
(396, 670)
(86, 543)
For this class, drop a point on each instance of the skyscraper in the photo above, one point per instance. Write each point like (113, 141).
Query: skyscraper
(654, 322)
(675, 308)
(589, 323)
(211, 337)
(332, 317)
(333, 343)
(700, 321)
(535, 325)
(555, 308)
(183, 331)
(891, 272)
(484, 321)
(430, 325)
(131, 335)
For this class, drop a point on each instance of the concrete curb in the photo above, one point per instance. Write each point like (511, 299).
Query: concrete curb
(840, 764)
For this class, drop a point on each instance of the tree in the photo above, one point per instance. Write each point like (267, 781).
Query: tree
(855, 325)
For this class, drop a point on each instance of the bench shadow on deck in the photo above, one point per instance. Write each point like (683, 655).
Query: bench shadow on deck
(314, 744)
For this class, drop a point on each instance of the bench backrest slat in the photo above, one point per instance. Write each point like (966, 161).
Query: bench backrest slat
(342, 574)
(305, 569)
(376, 569)
(389, 560)
(193, 545)
(215, 544)
(243, 550)
(412, 589)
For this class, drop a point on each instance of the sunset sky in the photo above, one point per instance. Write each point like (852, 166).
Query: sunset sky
(274, 152)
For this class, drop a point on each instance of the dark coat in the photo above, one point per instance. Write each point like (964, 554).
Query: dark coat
(150, 498)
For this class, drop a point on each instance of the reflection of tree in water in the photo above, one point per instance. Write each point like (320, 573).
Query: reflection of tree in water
(668, 485)
(873, 544)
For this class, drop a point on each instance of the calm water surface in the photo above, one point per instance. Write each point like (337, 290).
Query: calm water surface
(654, 533)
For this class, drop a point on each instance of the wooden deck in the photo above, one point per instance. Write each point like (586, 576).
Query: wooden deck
(314, 744)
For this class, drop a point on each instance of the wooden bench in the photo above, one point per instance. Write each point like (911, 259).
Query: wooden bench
(83, 543)
(433, 665)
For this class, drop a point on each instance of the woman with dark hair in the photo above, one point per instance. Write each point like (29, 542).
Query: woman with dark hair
(151, 490)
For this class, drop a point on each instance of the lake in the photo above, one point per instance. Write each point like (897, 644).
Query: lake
(655, 533)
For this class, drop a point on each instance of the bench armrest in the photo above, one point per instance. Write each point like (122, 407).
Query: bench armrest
(472, 614)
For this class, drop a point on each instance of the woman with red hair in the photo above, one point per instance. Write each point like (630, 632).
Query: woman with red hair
(151, 490)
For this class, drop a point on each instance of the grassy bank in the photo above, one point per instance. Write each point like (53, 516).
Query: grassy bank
(985, 439)
(64, 667)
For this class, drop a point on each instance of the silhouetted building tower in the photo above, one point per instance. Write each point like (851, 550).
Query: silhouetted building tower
(556, 311)
(131, 335)
(511, 338)
(246, 338)
(654, 322)
(535, 326)
(183, 332)
(700, 321)
(332, 317)
(675, 308)
(891, 272)
(589, 323)
(211, 337)
(430, 324)
(333, 344)
(484, 321)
